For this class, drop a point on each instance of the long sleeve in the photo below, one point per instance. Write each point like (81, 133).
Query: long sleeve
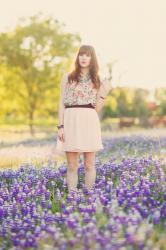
(61, 99)
(103, 91)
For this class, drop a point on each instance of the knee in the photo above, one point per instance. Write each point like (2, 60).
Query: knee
(72, 166)
(89, 166)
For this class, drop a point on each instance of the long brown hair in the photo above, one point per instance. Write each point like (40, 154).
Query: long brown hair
(93, 67)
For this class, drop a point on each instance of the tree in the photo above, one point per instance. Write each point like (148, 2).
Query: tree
(160, 95)
(38, 52)
(122, 103)
(140, 108)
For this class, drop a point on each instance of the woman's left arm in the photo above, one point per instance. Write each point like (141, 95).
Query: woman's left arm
(105, 88)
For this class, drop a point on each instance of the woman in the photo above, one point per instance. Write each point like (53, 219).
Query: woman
(82, 96)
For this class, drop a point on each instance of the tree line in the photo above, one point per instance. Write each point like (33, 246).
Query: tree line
(33, 58)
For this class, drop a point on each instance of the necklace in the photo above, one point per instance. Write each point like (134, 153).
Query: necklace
(83, 78)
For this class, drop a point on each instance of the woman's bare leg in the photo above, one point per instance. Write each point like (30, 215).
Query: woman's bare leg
(90, 169)
(72, 170)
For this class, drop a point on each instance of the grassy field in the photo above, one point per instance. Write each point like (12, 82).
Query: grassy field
(17, 146)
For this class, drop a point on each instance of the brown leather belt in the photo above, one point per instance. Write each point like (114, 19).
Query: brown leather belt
(89, 105)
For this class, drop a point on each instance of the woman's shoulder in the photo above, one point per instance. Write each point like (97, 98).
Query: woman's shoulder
(65, 77)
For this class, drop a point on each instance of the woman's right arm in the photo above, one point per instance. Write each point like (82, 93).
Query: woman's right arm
(61, 99)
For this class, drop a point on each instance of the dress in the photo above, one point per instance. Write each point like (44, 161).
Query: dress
(82, 130)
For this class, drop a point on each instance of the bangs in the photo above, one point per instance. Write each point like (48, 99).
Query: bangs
(85, 50)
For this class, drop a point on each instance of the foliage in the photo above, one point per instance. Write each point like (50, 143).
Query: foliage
(33, 58)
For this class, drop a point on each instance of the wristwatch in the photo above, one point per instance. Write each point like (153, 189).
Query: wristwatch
(60, 126)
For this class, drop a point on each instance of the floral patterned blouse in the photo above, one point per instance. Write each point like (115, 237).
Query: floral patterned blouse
(82, 92)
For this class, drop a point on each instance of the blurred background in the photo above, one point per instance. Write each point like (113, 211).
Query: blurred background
(38, 44)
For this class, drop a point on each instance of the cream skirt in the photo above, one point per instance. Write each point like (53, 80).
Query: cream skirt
(82, 131)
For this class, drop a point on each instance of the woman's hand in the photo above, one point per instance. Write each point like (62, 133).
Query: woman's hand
(61, 135)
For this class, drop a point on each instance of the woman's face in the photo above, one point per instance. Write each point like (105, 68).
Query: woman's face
(84, 60)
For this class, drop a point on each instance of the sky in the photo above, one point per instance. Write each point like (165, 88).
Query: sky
(129, 33)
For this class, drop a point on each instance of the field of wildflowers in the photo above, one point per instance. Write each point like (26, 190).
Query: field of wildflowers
(125, 210)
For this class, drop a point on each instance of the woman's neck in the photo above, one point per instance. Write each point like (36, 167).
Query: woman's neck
(84, 72)
(84, 76)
